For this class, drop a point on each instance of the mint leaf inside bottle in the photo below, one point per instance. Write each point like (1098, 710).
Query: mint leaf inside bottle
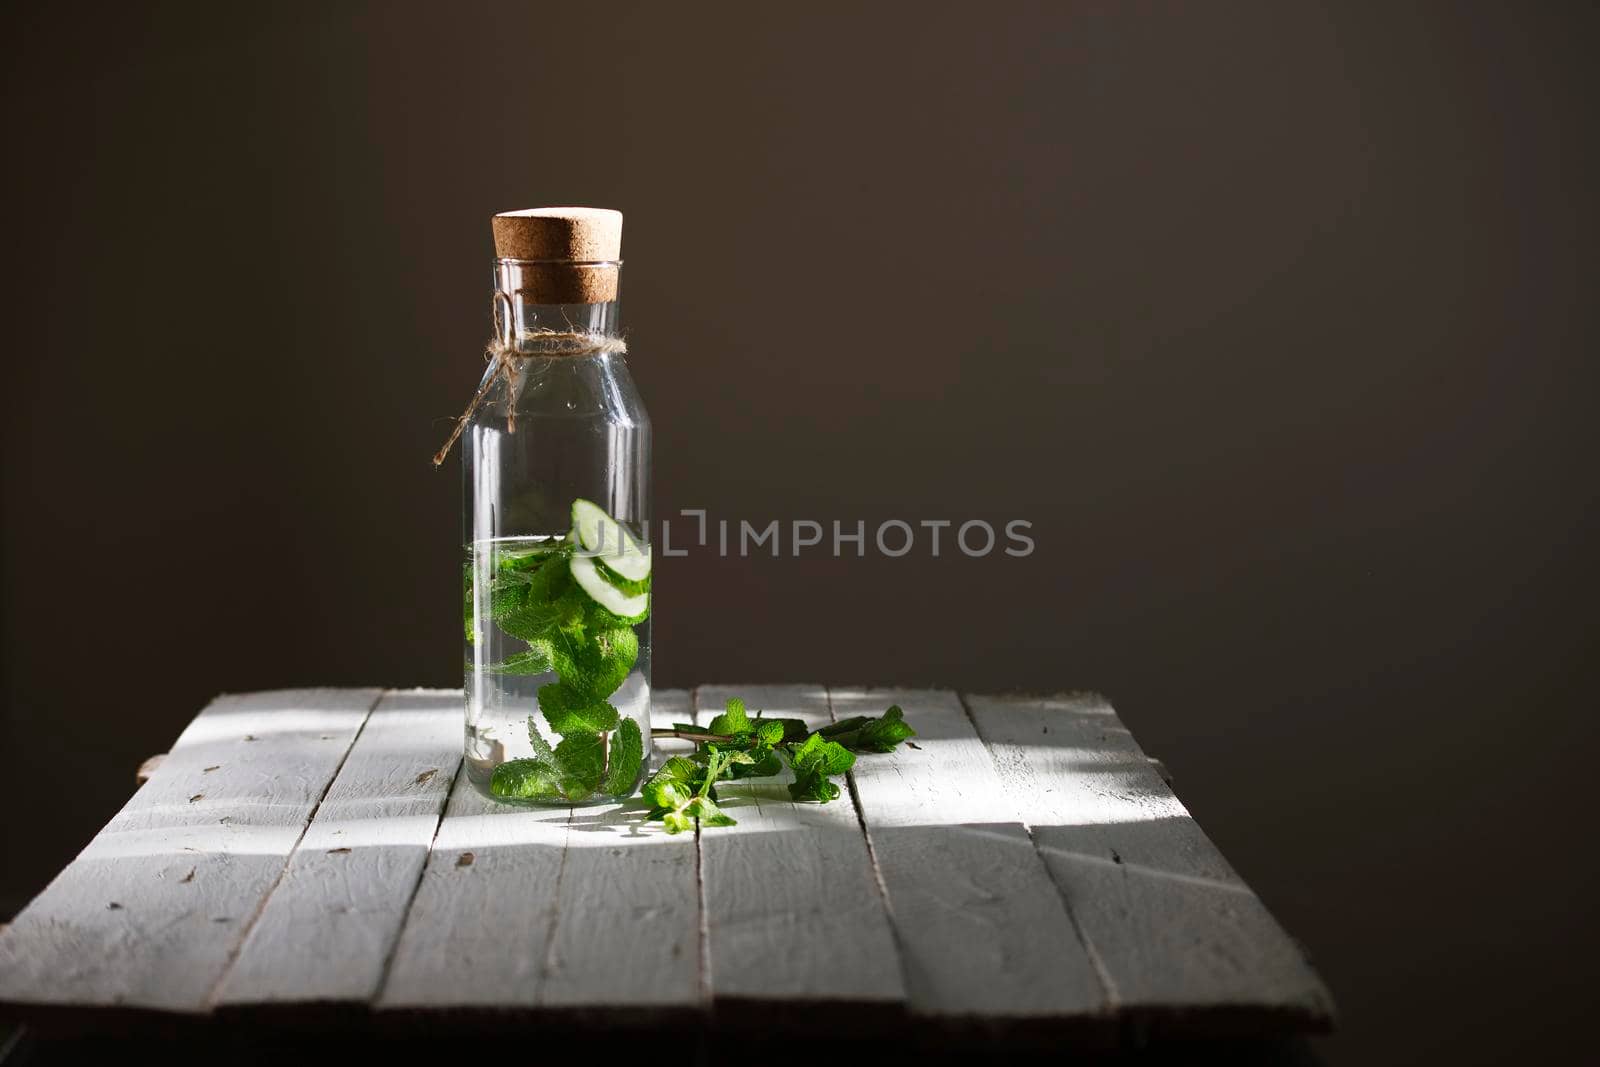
(571, 629)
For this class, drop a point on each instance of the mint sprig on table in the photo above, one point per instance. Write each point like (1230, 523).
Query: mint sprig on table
(575, 603)
(736, 746)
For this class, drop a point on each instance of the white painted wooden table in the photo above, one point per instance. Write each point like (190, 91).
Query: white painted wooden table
(1024, 869)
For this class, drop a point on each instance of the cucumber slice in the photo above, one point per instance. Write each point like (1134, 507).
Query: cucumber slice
(631, 588)
(599, 534)
(628, 608)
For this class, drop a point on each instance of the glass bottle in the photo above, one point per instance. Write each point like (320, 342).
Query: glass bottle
(556, 456)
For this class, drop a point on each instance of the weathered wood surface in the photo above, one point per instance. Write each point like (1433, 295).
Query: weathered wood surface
(981, 928)
(793, 912)
(1025, 865)
(620, 930)
(327, 931)
(628, 892)
(479, 927)
(1171, 924)
(152, 912)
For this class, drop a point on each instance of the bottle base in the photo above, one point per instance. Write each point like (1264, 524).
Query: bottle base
(481, 774)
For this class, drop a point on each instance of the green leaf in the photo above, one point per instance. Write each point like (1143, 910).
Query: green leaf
(532, 622)
(814, 763)
(627, 753)
(681, 792)
(511, 573)
(550, 601)
(535, 660)
(705, 809)
(885, 733)
(745, 758)
(505, 602)
(666, 796)
(569, 712)
(820, 754)
(794, 730)
(844, 727)
(594, 663)
(570, 771)
(733, 720)
(670, 790)
(582, 761)
(506, 598)
(766, 765)
(811, 785)
(509, 562)
(575, 768)
(863, 734)
(676, 769)
(541, 747)
(769, 732)
(673, 786)
(525, 779)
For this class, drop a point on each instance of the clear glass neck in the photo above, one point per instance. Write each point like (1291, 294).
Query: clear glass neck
(535, 297)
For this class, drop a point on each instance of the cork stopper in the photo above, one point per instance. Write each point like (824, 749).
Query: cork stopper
(566, 255)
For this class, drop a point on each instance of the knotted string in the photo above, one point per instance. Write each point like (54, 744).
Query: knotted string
(530, 344)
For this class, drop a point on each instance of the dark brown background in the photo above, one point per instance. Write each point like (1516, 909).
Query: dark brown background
(1275, 320)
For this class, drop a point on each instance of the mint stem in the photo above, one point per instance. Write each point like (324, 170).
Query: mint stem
(690, 735)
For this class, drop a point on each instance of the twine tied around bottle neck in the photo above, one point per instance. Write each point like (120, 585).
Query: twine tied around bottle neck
(507, 359)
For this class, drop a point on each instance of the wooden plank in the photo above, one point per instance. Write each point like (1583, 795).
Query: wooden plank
(479, 926)
(982, 929)
(794, 916)
(150, 914)
(1172, 926)
(627, 927)
(328, 929)
(551, 909)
